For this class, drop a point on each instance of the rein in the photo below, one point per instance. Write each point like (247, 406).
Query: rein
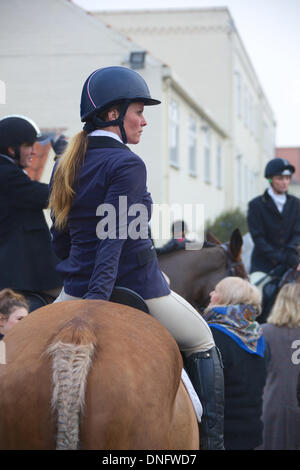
(290, 276)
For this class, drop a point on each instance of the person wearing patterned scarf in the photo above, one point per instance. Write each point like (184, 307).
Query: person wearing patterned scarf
(238, 322)
(234, 306)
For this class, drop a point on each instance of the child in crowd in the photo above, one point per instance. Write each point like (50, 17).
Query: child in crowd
(13, 308)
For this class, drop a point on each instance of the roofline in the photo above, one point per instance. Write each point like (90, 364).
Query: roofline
(155, 10)
(291, 147)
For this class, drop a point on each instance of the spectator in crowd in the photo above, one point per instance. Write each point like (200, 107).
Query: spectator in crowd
(231, 315)
(281, 413)
(13, 308)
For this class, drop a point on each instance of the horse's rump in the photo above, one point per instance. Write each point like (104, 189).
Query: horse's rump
(121, 366)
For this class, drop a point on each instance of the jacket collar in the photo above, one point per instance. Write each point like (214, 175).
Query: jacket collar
(268, 200)
(267, 196)
(8, 158)
(95, 142)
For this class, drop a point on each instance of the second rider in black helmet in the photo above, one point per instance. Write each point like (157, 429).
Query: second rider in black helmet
(274, 221)
(26, 259)
(274, 224)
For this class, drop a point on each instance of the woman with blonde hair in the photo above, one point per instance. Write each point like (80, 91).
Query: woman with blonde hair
(235, 290)
(231, 315)
(281, 413)
(98, 185)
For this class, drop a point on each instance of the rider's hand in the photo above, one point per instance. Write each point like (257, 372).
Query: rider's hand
(292, 259)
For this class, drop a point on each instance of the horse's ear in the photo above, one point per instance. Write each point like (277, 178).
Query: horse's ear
(209, 236)
(236, 243)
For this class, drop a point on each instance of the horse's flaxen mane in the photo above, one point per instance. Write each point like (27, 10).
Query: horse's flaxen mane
(71, 352)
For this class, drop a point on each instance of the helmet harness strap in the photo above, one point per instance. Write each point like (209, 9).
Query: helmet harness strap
(17, 156)
(97, 122)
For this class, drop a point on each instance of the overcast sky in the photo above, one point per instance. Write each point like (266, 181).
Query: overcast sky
(270, 31)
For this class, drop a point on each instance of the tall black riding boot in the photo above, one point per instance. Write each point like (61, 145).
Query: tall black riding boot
(205, 370)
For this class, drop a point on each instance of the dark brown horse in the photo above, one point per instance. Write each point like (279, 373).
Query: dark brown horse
(194, 274)
(91, 374)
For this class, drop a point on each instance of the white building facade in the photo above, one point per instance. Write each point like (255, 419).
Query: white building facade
(204, 48)
(193, 158)
(47, 51)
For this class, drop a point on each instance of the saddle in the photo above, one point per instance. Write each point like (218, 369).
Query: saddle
(125, 296)
(36, 299)
(259, 279)
(120, 295)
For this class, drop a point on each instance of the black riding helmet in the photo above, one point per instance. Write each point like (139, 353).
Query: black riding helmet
(277, 167)
(16, 130)
(109, 86)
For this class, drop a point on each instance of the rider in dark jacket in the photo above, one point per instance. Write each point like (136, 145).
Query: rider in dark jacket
(26, 259)
(274, 224)
(274, 221)
(178, 240)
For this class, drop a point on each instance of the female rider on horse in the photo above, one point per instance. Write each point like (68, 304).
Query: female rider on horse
(94, 177)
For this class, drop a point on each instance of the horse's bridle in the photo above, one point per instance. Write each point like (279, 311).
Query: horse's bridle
(231, 265)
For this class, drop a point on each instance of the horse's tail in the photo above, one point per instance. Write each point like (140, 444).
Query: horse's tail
(71, 351)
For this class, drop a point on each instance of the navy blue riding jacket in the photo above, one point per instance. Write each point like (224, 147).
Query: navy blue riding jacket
(26, 259)
(92, 264)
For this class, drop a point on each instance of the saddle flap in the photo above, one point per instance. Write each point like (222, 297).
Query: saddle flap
(125, 296)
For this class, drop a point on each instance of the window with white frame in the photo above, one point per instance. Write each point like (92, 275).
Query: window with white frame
(265, 137)
(238, 179)
(174, 133)
(272, 144)
(2, 92)
(192, 140)
(238, 94)
(246, 184)
(268, 140)
(257, 119)
(219, 165)
(253, 184)
(251, 127)
(256, 179)
(207, 151)
(246, 108)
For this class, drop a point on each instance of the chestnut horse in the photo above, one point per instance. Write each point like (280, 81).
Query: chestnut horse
(193, 274)
(91, 374)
